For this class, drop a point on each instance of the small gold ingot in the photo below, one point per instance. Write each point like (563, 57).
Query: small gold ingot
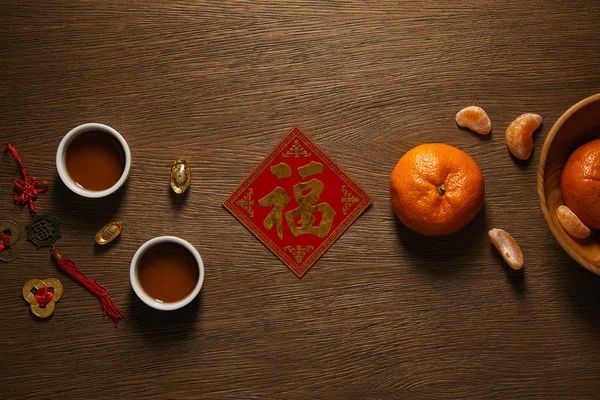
(32, 286)
(181, 176)
(109, 232)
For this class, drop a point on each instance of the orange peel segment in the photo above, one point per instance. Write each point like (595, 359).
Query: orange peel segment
(474, 118)
(508, 248)
(519, 135)
(571, 223)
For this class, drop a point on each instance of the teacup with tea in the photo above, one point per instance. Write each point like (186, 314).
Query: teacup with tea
(167, 273)
(93, 160)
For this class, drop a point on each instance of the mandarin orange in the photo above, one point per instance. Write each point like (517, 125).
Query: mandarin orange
(436, 189)
(580, 183)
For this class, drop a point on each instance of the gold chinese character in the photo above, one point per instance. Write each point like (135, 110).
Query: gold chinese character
(279, 198)
(306, 208)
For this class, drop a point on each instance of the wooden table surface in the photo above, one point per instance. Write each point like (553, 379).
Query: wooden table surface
(385, 313)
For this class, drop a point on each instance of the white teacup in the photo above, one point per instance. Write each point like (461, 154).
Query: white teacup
(137, 287)
(62, 167)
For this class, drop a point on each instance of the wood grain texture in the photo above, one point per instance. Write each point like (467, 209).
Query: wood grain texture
(385, 313)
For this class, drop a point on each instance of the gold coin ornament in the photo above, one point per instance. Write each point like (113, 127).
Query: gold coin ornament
(42, 296)
(9, 240)
(10, 253)
(181, 176)
(109, 232)
(43, 231)
(11, 229)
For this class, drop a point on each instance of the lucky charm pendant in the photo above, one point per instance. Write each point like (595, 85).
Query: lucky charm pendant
(42, 296)
(43, 231)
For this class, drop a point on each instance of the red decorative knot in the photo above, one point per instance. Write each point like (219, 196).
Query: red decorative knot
(28, 188)
(4, 241)
(43, 296)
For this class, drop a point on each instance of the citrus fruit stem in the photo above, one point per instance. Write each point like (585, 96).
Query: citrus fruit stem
(441, 189)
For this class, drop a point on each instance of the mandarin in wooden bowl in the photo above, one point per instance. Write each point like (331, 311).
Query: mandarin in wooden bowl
(577, 126)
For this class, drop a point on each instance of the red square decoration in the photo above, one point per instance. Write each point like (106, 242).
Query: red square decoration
(298, 201)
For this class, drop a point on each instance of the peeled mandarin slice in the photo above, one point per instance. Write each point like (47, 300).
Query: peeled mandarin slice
(508, 248)
(519, 135)
(475, 119)
(571, 223)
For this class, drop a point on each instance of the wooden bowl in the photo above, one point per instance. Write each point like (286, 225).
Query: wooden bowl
(578, 125)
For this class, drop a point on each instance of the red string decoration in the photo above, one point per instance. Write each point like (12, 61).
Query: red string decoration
(43, 296)
(28, 188)
(26, 191)
(4, 241)
(108, 306)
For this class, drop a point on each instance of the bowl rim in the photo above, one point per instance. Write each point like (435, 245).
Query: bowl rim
(540, 178)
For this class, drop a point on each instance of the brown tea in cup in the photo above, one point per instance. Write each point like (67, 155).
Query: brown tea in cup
(168, 272)
(95, 160)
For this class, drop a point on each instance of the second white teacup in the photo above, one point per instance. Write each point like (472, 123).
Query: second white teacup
(166, 273)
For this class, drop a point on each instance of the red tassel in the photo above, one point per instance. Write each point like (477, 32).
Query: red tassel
(108, 306)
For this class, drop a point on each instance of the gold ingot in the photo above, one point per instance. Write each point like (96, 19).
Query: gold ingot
(109, 232)
(181, 176)
(31, 287)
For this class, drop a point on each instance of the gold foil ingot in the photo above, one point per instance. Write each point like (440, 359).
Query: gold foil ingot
(181, 175)
(109, 232)
(29, 290)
